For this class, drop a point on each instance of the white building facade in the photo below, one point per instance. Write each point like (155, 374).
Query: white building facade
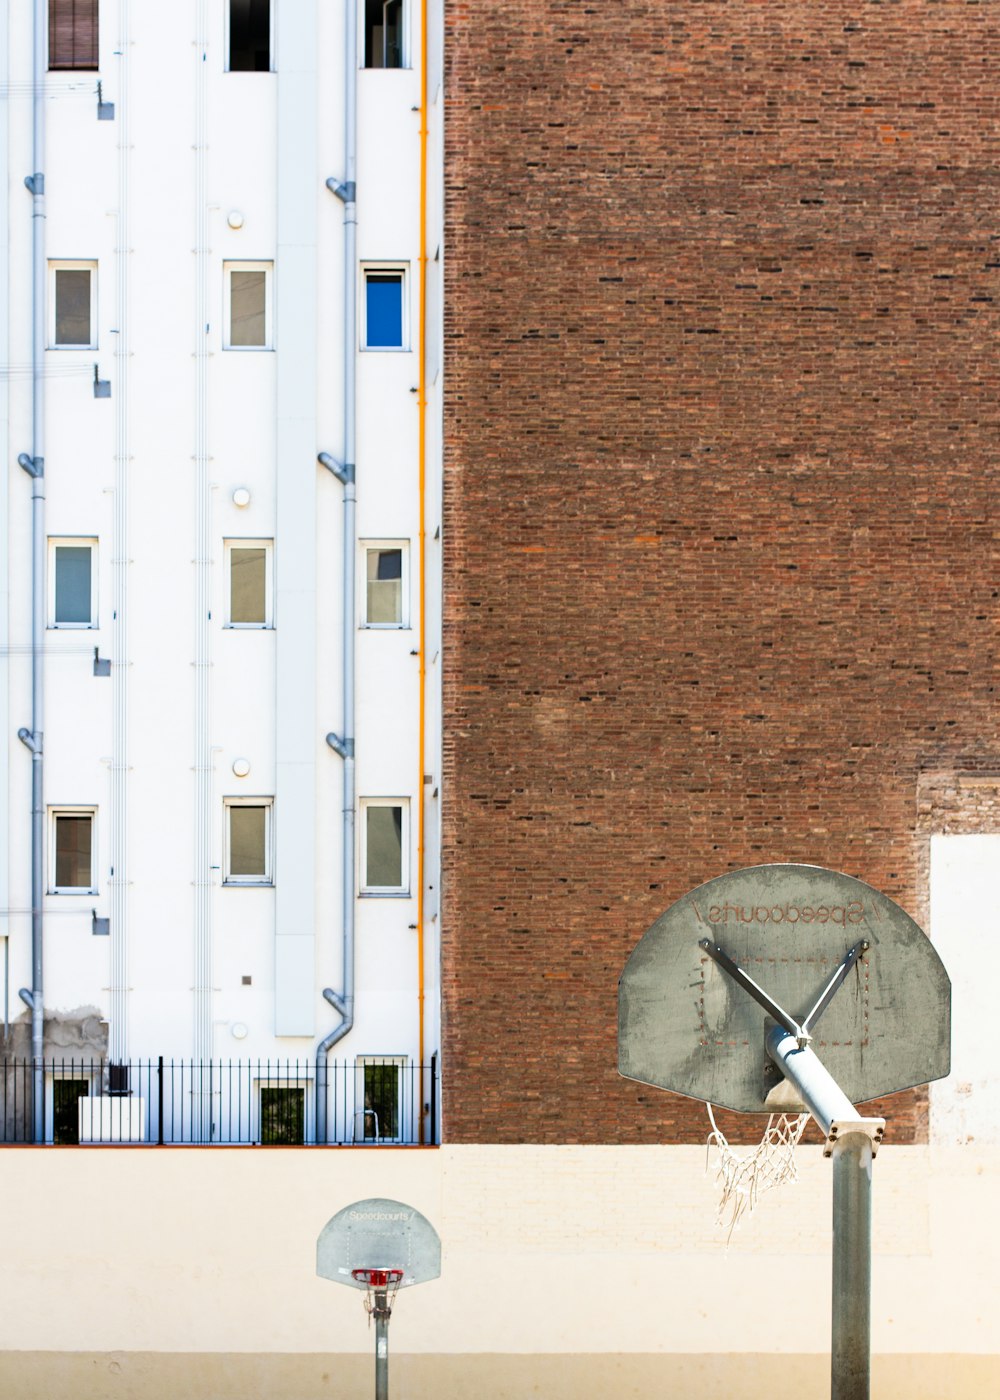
(221, 562)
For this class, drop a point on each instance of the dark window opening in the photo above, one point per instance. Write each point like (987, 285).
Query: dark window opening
(381, 1102)
(74, 845)
(73, 606)
(247, 843)
(249, 36)
(72, 34)
(248, 586)
(72, 289)
(248, 307)
(384, 854)
(282, 1117)
(66, 1095)
(383, 33)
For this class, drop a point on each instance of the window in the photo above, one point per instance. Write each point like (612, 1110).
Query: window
(383, 33)
(72, 34)
(380, 1083)
(249, 36)
(385, 594)
(73, 324)
(384, 307)
(72, 583)
(248, 306)
(384, 846)
(72, 856)
(248, 841)
(248, 571)
(66, 1096)
(282, 1116)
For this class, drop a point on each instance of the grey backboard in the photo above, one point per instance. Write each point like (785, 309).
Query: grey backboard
(685, 1024)
(378, 1234)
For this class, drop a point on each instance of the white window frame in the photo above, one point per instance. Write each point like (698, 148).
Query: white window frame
(404, 584)
(69, 810)
(379, 268)
(270, 43)
(402, 890)
(361, 1062)
(72, 265)
(230, 266)
(73, 542)
(265, 881)
(268, 546)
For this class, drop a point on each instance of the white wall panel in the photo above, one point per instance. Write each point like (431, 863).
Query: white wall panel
(298, 192)
(965, 927)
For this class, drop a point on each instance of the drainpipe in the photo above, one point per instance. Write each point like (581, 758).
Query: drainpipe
(35, 467)
(422, 564)
(343, 744)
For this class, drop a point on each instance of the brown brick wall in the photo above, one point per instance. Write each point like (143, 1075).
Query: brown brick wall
(721, 489)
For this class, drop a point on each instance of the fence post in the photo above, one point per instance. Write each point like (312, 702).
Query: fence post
(159, 1105)
(434, 1099)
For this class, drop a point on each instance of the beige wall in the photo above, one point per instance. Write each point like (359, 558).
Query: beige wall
(582, 1270)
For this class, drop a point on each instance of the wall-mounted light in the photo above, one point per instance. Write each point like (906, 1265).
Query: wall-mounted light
(241, 497)
(239, 1031)
(234, 219)
(241, 767)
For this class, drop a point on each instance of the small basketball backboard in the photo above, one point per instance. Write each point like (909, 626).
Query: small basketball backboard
(816, 943)
(378, 1236)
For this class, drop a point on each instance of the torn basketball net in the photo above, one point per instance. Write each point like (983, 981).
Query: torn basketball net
(744, 1177)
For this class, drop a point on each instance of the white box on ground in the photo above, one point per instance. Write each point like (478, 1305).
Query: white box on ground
(110, 1118)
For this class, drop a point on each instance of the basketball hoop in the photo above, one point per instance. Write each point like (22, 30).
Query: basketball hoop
(744, 1177)
(379, 1229)
(381, 1287)
(721, 1000)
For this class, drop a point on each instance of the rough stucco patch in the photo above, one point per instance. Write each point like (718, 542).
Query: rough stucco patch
(73, 1036)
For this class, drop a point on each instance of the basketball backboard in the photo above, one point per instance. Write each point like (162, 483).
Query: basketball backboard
(811, 941)
(378, 1235)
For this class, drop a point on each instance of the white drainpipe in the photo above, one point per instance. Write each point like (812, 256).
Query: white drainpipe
(35, 467)
(343, 744)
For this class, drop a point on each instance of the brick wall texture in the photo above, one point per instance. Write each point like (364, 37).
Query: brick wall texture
(721, 489)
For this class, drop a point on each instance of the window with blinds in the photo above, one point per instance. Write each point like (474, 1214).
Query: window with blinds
(72, 34)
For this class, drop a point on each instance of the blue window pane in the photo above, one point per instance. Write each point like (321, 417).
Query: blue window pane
(384, 310)
(73, 584)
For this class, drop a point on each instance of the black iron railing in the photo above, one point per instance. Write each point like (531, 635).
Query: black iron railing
(373, 1101)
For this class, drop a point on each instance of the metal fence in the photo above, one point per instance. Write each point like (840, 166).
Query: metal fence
(371, 1101)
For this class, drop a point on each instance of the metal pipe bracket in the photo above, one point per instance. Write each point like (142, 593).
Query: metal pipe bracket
(873, 1128)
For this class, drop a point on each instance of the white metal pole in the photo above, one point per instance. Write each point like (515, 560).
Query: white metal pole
(381, 1344)
(850, 1352)
(852, 1141)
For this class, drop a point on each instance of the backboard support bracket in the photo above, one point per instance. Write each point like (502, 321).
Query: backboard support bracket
(871, 1128)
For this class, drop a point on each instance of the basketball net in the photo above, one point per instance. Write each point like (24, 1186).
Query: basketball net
(377, 1281)
(744, 1177)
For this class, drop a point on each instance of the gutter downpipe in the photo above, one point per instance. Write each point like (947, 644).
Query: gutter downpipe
(35, 467)
(343, 744)
(421, 559)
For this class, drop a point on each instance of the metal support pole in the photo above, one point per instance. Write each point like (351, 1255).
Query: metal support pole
(159, 1101)
(382, 1314)
(850, 1357)
(852, 1141)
